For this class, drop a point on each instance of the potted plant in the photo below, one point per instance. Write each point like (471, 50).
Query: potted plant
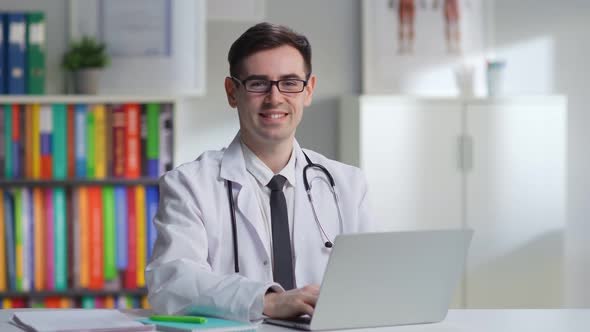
(84, 59)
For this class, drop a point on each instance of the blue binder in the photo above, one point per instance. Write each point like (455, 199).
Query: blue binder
(80, 140)
(17, 52)
(152, 196)
(2, 54)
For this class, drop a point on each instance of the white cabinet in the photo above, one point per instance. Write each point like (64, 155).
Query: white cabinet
(408, 150)
(495, 165)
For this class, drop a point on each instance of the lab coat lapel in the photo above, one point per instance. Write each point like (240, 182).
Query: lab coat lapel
(309, 263)
(233, 168)
(303, 211)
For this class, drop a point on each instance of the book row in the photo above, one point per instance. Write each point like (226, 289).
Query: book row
(88, 141)
(81, 238)
(86, 302)
(22, 53)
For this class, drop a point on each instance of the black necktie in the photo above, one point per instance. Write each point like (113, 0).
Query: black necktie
(281, 240)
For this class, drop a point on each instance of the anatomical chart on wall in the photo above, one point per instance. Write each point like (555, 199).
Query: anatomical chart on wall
(405, 36)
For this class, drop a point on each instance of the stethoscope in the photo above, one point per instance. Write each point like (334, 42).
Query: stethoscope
(328, 244)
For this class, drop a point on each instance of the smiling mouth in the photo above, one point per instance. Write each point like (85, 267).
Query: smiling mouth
(274, 115)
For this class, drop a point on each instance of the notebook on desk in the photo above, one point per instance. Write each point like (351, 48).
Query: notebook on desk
(386, 279)
(99, 320)
(212, 325)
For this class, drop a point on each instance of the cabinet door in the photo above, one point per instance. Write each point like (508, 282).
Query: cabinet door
(410, 154)
(516, 191)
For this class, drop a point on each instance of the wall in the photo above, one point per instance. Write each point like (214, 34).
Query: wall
(546, 48)
(333, 28)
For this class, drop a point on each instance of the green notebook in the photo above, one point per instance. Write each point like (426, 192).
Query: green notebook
(213, 324)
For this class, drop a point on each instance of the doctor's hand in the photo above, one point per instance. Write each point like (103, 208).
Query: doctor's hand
(292, 303)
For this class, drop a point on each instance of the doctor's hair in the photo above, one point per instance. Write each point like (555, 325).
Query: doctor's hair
(266, 36)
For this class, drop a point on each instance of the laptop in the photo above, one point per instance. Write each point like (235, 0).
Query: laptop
(386, 279)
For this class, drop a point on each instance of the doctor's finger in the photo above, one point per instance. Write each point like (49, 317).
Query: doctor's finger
(304, 308)
(310, 299)
(312, 289)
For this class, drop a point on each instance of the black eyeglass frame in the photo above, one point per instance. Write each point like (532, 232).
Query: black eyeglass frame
(243, 83)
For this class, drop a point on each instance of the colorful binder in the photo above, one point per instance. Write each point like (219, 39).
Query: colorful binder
(49, 241)
(140, 213)
(3, 48)
(18, 238)
(153, 139)
(96, 238)
(39, 216)
(26, 238)
(9, 241)
(133, 141)
(71, 139)
(84, 235)
(16, 55)
(152, 197)
(60, 239)
(59, 141)
(108, 204)
(121, 221)
(46, 128)
(90, 144)
(8, 146)
(131, 272)
(35, 38)
(3, 271)
(16, 141)
(36, 141)
(80, 137)
(119, 141)
(100, 141)
(28, 140)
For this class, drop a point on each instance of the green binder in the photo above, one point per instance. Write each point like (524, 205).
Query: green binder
(60, 239)
(153, 134)
(60, 147)
(108, 205)
(90, 144)
(35, 53)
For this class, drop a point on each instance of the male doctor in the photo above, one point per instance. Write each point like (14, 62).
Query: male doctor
(237, 235)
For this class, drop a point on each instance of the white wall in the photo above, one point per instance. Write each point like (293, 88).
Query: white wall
(333, 28)
(546, 46)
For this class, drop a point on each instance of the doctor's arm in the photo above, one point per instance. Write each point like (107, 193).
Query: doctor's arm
(179, 278)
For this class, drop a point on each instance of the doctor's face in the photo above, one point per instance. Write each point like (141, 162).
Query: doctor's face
(269, 117)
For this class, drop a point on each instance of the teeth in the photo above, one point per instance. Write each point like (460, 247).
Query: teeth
(275, 116)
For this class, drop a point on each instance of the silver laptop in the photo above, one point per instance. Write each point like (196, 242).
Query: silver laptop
(385, 279)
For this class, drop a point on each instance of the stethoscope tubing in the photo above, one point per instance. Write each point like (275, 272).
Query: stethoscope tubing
(328, 244)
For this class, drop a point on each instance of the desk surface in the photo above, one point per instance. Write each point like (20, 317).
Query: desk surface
(534, 320)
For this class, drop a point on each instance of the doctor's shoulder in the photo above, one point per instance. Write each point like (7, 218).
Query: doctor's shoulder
(345, 176)
(201, 170)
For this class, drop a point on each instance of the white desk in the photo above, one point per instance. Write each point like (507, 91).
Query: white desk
(542, 320)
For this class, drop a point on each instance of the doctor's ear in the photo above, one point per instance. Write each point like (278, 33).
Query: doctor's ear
(230, 91)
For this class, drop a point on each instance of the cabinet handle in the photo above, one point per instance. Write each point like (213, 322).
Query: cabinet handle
(465, 153)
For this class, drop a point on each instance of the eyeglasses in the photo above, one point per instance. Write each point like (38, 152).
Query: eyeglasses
(257, 85)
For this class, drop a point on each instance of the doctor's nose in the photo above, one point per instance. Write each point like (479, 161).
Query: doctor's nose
(274, 94)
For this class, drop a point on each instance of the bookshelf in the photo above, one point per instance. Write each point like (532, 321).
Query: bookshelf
(78, 190)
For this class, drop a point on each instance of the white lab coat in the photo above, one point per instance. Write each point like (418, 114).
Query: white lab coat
(192, 265)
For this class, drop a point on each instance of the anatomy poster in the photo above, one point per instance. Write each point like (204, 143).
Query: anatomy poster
(413, 46)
